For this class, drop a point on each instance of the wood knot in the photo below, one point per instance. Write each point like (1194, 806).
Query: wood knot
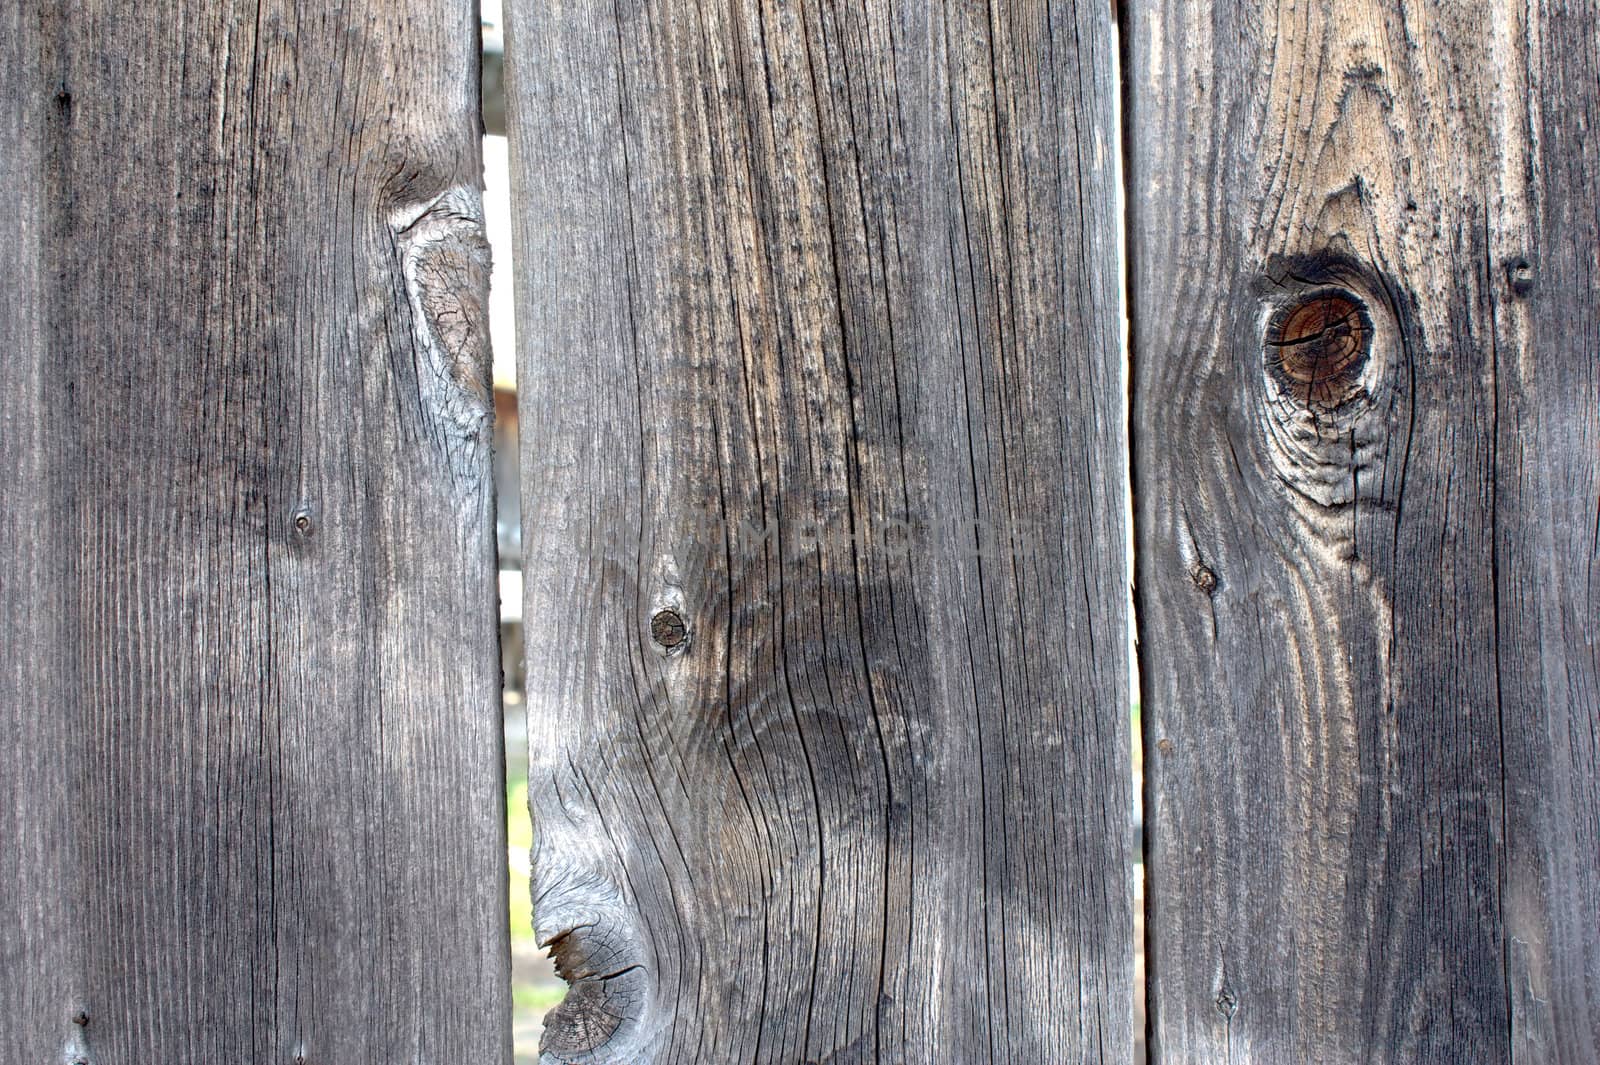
(606, 999)
(1317, 345)
(1203, 577)
(1519, 275)
(81, 1019)
(580, 1023)
(304, 524)
(445, 265)
(668, 630)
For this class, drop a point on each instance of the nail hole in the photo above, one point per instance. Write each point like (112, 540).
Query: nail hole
(1519, 274)
(1317, 345)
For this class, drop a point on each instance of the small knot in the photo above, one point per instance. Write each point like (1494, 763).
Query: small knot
(668, 630)
(1519, 275)
(81, 1019)
(1227, 1004)
(304, 521)
(1203, 578)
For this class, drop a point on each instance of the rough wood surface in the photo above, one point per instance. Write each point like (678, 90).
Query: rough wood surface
(249, 727)
(1367, 581)
(822, 442)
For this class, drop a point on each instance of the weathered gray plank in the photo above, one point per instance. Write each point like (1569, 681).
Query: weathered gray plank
(815, 271)
(249, 729)
(1367, 594)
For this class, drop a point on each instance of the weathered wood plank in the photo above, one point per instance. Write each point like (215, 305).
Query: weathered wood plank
(805, 291)
(1366, 580)
(249, 731)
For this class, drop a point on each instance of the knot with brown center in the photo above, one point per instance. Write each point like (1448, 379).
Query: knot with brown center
(1317, 346)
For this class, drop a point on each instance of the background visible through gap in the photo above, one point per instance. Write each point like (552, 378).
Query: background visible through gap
(535, 986)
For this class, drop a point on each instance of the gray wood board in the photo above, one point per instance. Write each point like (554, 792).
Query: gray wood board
(249, 717)
(821, 400)
(1366, 583)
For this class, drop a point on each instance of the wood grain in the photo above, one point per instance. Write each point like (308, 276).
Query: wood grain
(1367, 602)
(249, 724)
(819, 353)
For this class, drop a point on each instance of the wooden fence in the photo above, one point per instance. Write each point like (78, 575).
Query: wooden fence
(824, 446)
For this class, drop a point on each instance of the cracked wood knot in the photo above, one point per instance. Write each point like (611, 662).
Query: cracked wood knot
(668, 630)
(1317, 347)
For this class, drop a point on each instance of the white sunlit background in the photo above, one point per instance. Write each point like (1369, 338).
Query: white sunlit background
(535, 987)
